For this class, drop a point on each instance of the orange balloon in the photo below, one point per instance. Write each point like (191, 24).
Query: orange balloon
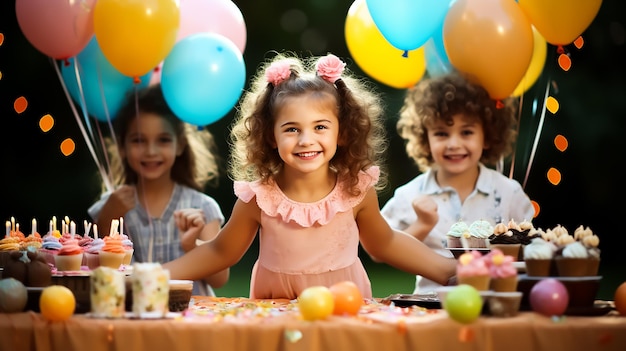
(135, 35)
(490, 41)
(560, 21)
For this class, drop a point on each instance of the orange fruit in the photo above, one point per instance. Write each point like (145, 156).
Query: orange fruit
(315, 302)
(620, 299)
(57, 303)
(348, 298)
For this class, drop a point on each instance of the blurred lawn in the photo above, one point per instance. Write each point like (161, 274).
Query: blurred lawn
(387, 280)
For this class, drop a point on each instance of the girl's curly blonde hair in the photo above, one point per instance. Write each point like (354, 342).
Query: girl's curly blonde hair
(441, 98)
(362, 140)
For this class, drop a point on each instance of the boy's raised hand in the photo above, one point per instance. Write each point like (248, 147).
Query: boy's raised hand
(426, 210)
(190, 222)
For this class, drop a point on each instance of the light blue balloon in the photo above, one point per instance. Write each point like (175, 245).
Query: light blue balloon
(203, 77)
(104, 87)
(407, 24)
(437, 61)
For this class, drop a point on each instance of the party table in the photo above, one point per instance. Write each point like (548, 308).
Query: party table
(239, 324)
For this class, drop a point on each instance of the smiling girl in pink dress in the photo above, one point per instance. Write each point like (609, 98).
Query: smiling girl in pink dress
(306, 145)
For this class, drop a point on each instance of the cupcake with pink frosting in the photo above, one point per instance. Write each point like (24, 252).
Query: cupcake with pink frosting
(472, 269)
(92, 253)
(70, 256)
(501, 270)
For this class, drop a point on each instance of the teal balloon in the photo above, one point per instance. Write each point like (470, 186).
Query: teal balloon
(104, 88)
(203, 77)
(408, 24)
(437, 61)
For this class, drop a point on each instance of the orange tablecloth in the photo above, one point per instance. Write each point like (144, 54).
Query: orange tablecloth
(432, 331)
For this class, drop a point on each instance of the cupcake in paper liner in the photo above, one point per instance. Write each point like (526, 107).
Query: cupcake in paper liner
(107, 293)
(150, 289)
(501, 270)
(479, 232)
(471, 269)
(539, 258)
(455, 233)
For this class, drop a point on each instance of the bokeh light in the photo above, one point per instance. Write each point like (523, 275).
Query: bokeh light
(68, 146)
(20, 104)
(579, 42)
(565, 62)
(552, 104)
(554, 176)
(46, 123)
(561, 143)
(536, 207)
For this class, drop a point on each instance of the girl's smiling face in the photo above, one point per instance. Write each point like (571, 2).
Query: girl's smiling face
(151, 146)
(458, 147)
(306, 131)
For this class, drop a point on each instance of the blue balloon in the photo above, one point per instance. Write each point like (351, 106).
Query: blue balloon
(437, 61)
(407, 24)
(203, 77)
(104, 87)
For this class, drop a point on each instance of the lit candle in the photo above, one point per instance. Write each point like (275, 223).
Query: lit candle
(95, 231)
(72, 228)
(12, 223)
(50, 228)
(17, 228)
(33, 228)
(8, 225)
(121, 225)
(54, 223)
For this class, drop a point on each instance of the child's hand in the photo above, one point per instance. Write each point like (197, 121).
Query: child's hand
(190, 223)
(426, 210)
(123, 198)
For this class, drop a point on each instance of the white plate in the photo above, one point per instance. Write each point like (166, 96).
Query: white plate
(520, 266)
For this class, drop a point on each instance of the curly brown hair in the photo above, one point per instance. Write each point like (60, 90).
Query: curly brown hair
(441, 98)
(361, 142)
(195, 167)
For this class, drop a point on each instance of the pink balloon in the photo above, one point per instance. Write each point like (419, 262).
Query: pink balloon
(549, 297)
(58, 28)
(213, 16)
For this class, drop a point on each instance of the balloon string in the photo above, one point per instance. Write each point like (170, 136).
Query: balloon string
(106, 180)
(81, 94)
(538, 133)
(109, 124)
(517, 130)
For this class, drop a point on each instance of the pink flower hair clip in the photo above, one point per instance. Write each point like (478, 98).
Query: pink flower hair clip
(330, 68)
(278, 72)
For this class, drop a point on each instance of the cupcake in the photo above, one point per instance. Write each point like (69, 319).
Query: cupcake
(504, 240)
(7, 245)
(479, 232)
(471, 269)
(574, 261)
(92, 253)
(502, 272)
(455, 233)
(50, 247)
(70, 256)
(112, 252)
(538, 257)
(128, 248)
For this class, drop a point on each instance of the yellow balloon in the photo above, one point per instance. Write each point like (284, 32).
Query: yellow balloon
(560, 22)
(136, 35)
(540, 51)
(376, 56)
(489, 41)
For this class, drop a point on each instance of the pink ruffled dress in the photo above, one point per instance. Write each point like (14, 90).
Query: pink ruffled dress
(306, 244)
